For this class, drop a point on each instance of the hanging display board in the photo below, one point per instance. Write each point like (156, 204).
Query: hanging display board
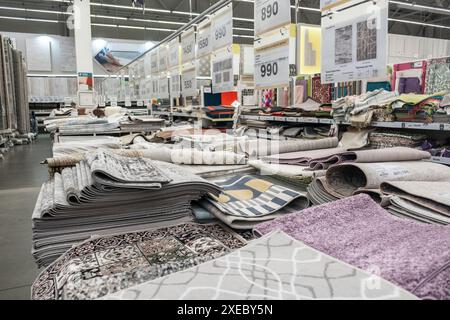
(328, 5)
(354, 43)
(66, 52)
(222, 73)
(154, 61)
(147, 64)
(222, 28)
(309, 43)
(175, 84)
(162, 54)
(272, 67)
(155, 87)
(189, 84)
(204, 45)
(39, 57)
(271, 14)
(188, 46)
(174, 53)
(163, 87)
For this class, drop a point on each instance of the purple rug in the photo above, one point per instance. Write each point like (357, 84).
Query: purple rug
(356, 230)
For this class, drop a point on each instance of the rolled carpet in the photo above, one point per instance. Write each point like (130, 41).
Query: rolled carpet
(346, 178)
(356, 230)
(263, 147)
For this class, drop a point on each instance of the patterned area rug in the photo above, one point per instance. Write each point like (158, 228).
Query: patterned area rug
(252, 196)
(273, 267)
(104, 265)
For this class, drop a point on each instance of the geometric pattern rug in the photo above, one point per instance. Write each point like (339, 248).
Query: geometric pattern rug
(106, 264)
(275, 266)
(252, 196)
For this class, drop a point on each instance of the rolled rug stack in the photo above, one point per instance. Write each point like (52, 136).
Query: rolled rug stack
(108, 193)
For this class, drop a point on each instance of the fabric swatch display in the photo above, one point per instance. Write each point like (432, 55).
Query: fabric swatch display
(227, 98)
(394, 138)
(251, 196)
(411, 255)
(375, 85)
(106, 264)
(301, 92)
(409, 70)
(212, 99)
(109, 193)
(321, 92)
(438, 75)
(274, 267)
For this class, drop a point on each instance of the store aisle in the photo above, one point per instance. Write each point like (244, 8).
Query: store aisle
(21, 177)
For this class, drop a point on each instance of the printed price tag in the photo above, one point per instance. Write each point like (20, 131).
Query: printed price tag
(188, 46)
(270, 14)
(174, 53)
(204, 45)
(222, 29)
(272, 67)
(162, 53)
(163, 87)
(175, 85)
(188, 84)
(154, 62)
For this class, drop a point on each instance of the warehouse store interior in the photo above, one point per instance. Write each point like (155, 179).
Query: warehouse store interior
(224, 149)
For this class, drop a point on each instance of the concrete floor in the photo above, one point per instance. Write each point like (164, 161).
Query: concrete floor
(21, 177)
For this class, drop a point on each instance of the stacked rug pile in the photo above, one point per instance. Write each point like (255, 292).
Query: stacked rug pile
(426, 201)
(246, 200)
(108, 193)
(106, 264)
(355, 230)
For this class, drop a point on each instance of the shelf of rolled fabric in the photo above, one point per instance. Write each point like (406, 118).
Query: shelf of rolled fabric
(380, 124)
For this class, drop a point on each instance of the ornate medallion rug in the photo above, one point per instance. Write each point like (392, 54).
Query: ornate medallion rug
(252, 196)
(413, 255)
(275, 266)
(104, 265)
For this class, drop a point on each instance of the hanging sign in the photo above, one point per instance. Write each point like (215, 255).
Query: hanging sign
(222, 74)
(188, 46)
(175, 85)
(204, 45)
(154, 62)
(174, 53)
(163, 87)
(222, 28)
(189, 84)
(354, 43)
(162, 54)
(272, 67)
(271, 14)
(155, 87)
(147, 64)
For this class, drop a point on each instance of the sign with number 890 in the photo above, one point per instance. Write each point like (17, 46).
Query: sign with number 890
(270, 10)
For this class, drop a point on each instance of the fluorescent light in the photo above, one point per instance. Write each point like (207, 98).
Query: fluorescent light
(107, 17)
(30, 19)
(243, 19)
(158, 21)
(34, 10)
(242, 36)
(130, 27)
(243, 29)
(420, 23)
(447, 11)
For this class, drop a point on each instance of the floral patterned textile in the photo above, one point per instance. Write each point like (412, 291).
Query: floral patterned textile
(321, 92)
(104, 265)
(438, 75)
